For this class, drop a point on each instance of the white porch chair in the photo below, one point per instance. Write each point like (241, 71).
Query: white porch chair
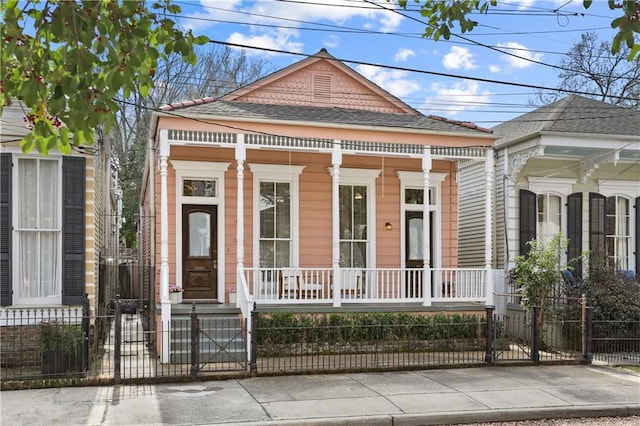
(293, 285)
(351, 283)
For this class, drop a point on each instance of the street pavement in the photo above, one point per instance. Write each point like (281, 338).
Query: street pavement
(425, 397)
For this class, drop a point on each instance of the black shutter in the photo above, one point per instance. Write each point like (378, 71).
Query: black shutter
(73, 230)
(5, 230)
(637, 253)
(574, 229)
(597, 235)
(527, 220)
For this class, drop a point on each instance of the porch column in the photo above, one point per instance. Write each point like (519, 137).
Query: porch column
(426, 231)
(241, 156)
(164, 246)
(488, 229)
(336, 161)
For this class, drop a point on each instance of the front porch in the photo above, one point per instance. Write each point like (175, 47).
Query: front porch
(365, 286)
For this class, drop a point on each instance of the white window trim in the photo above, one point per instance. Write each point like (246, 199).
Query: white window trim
(415, 180)
(40, 301)
(277, 173)
(201, 170)
(622, 188)
(366, 178)
(557, 186)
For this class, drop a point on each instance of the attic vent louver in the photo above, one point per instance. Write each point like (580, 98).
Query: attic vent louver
(322, 88)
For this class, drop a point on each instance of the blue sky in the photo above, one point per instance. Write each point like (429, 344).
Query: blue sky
(370, 33)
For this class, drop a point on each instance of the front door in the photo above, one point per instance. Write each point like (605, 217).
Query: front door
(414, 251)
(199, 254)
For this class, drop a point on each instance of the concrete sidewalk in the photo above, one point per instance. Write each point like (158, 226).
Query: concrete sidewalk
(398, 398)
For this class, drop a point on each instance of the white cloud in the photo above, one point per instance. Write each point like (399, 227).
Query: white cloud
(403, 54)
(494, 69)
(458, 58)
(393, 81)
(278, 40)
(331, 42)
(263, 12)
(461, 96)
(525, 55)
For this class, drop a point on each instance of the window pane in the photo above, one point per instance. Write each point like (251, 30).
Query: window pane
(283, 211)
(282, 254)
(28, 193)
(345, 255)
(415, 245)
(198, 188)
(413, 196)
(267, 210)
(346, 206)
(267, 258)
(48, 265)
(199, 234)
(28, 271)
(48, 194)
(360, 213)
(360, 254)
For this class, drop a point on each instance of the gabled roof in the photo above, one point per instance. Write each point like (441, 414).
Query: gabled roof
(265, 100)
(573, 114)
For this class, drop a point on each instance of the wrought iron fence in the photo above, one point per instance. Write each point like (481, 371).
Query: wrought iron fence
(117, 343)
(616, 342)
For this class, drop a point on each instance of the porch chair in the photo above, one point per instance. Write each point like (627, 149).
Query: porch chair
(351, 284)
(293, 285)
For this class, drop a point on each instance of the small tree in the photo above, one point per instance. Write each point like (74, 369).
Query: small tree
(537, 274)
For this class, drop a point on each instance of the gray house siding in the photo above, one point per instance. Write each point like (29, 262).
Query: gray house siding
(471, 199)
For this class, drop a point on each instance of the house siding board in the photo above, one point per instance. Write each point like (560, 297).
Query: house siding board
(500, 217)
(73, 230)
(5, 230)
(472, 224)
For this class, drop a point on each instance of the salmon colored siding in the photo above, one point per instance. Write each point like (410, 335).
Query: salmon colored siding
(315, 188)
(308, 87)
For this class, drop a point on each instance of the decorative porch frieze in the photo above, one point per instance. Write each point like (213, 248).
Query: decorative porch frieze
(177, 136)
(520, 159)
(590, 165)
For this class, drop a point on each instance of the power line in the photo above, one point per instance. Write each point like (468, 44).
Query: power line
(413, 70)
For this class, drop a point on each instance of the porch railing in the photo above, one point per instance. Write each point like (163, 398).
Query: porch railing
(364, 285)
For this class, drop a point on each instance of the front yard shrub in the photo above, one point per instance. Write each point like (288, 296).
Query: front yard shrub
(283, 333)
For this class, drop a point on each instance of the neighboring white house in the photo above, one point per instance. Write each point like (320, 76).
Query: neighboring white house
(572, 166)
(52, 214)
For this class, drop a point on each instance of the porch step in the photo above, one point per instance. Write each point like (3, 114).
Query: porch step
(221, 339)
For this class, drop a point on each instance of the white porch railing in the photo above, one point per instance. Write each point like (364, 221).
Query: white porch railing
(364, 285)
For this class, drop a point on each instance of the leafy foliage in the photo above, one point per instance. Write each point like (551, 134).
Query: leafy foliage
(538, 272)
(444, 15)
(67, 60)
(365, 328)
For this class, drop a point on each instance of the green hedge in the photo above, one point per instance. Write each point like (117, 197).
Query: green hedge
(296, 328)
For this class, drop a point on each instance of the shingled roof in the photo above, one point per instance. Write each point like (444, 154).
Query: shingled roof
(309, 114)
(573, 114)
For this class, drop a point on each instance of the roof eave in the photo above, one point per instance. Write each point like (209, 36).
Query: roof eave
(305, 123)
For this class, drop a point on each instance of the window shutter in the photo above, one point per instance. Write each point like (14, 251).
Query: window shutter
(574, 229)
(597, 234)
(637, 253)
(527, 220)
(73, 230)
(5, 230)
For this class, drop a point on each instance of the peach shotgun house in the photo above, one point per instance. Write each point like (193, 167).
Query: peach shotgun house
(311, 186)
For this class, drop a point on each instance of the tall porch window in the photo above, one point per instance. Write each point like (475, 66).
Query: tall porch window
(617, 231)
(353, 226)
(549, 216)
(38, 231)
(275, 224)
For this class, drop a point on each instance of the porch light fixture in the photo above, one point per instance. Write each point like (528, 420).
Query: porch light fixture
(388, 226)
